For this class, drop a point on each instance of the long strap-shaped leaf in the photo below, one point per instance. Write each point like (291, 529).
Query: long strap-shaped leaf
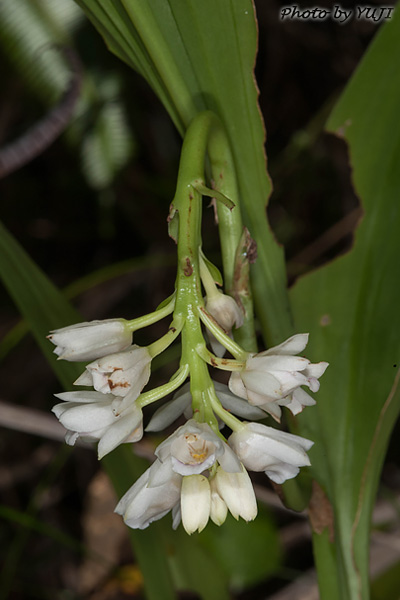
(351, 309)
(200, 55)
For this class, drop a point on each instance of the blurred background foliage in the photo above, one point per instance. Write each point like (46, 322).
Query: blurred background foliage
(91, 211)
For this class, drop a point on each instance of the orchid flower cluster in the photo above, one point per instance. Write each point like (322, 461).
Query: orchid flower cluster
(200, 472)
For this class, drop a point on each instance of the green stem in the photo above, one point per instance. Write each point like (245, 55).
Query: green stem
(221, 336)
(152, 317)
(228, 418)
(166, 340)
(163, 390)
(225, 364)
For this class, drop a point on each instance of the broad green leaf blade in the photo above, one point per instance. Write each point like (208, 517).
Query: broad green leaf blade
(350, 308)
(262, 557)
(45, 308)
(198, 56)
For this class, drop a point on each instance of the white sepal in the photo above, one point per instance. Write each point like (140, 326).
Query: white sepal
(89, 340)
(218, 510)
(278, 454)
(141, 505)
(273, 378)
(195, 503)
(120, 374)
(236, 490)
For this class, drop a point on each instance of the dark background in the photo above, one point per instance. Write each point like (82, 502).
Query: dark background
(70, 230)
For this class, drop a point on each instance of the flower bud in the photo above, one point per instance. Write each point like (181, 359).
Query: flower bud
(195, 503)
(90, 340)
(226, 313)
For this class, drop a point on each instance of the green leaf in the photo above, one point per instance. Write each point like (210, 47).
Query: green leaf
(350, 307)
(199, 56)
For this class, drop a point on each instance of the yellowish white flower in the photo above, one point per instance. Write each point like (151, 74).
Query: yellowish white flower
(273, 378)
(90, 415)
(194, 447)
(123, 374)
(90, 340)
(262, 448)
(142, 504)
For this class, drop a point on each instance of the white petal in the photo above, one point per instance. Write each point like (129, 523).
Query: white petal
(316, 370)
(281, 472)
(192, 469)
(237, 492)
(218, 509)
(229, 461)
(195, 503)
(168, 413)
(142, 505)
(276, 363)
(299, 399)
(237, 386)
(264, 384)
(89, 340)
(161, 473)
(238, 406)
(293, 345)
(71, 437)
(84, 379)
(88, 417)
(260, 447)
(127, 428)
(84, 396)
(176, 516)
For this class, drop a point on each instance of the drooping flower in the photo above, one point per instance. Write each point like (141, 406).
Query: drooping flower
(90, 415)
(273, 378)
(122, 374)
(226, 312)
(142, 504)
(90, 340)
(178, 480)
(278, 454)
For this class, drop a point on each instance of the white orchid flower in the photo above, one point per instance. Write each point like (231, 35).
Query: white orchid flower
(90, 415)
(122, 374)
(90, 340)
(194, 448)
(273, 378)
(262, 448)
(142, 504)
